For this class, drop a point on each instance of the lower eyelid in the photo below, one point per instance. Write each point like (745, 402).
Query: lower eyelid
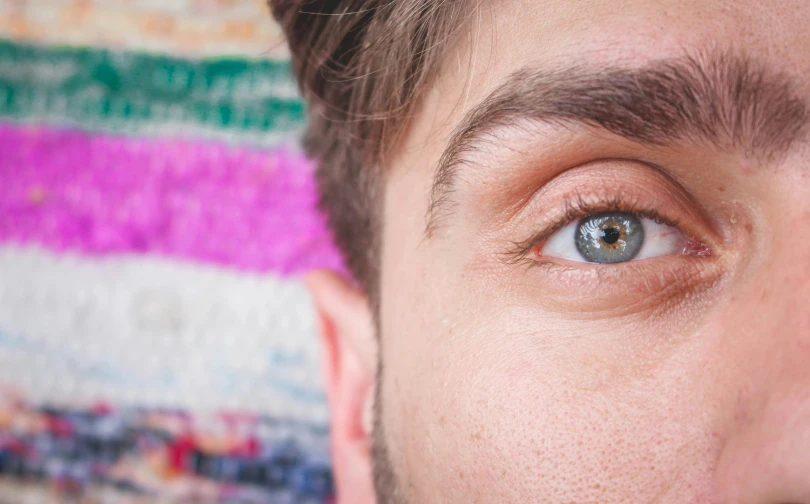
(625, 288)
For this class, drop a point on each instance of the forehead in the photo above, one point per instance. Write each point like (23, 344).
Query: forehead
(502, 37)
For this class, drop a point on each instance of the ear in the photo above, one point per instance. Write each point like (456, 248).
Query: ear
(349, 361)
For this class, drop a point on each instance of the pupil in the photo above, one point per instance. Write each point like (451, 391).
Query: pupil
(611, 235)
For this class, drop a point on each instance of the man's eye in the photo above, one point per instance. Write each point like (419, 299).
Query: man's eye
(613, 237)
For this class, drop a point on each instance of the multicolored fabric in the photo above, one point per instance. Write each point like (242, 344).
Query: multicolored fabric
(102, 91)
(156, 214)
(193, 28)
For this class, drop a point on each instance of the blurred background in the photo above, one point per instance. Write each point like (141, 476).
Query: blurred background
(156, 214)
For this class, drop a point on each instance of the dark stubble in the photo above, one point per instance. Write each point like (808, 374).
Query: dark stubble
(386, 484)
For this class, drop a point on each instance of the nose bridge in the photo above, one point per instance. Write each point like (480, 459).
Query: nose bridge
(779, 296)
(775, 283)
(766, 459)
(775, 320)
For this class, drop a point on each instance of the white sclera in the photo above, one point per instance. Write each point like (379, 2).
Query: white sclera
(659, 240)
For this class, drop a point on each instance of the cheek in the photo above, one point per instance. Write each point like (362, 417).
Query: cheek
(486, 415)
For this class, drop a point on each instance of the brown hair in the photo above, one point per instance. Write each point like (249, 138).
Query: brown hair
(361, 65)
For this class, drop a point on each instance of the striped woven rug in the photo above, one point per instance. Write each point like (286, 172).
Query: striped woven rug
(156, 214)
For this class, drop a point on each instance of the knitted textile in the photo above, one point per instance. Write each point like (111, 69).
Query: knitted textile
(156, 213)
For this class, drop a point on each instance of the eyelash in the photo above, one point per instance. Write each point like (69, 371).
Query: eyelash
(576, 207)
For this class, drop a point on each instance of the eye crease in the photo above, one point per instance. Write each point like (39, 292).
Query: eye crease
(614, 237)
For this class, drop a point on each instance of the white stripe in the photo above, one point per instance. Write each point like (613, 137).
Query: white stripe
(140, 330)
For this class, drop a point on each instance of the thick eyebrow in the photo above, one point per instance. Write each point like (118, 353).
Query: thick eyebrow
(725, 99)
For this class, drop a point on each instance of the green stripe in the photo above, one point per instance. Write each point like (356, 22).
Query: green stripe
(107, 90)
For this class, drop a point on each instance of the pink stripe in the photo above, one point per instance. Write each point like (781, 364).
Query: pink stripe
(245, 208)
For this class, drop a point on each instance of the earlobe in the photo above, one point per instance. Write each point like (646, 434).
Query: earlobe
(349, 357)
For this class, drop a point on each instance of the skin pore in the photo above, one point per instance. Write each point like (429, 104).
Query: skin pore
(512, 375)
